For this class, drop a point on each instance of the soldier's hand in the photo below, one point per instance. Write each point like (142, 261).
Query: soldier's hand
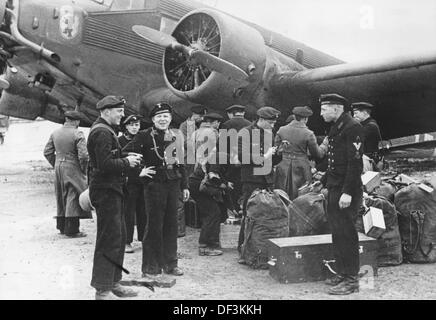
(271, 151)
(134, 160)
(344, 201)
(186, 195)
(317, 186)
(230, 185)
(147, 172)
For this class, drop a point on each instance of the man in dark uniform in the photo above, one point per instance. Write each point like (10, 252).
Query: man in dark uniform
(134, 203)
(236, 118)
(205, 139)
(237, 122)
(344, 184)
(198, 112)
(255, 148)
(107, 178)
(371, 133)
(165, 179)
(66, 152)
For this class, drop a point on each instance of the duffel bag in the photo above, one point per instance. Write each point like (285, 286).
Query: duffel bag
(417, 222)
(390, 250)
(267, 218)
(307, 215)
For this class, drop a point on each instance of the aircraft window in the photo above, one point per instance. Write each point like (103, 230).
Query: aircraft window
(128, 5)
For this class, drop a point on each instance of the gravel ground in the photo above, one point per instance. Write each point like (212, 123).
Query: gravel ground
(38, 263)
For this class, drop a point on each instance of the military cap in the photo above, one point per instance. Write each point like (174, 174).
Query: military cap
(111, 102)
(130, 119)
(74, 115)
(362, 105)
(302, 111)
(198, 109)
(268, 113)
(235, 108)
(333, 98)
(160, 108)
(213, 117)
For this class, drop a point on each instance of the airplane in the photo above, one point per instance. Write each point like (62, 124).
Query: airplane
(62, 54)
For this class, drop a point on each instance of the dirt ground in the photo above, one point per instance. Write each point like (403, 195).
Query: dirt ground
(36, 262)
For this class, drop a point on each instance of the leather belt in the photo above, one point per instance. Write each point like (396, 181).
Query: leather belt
(290, 156)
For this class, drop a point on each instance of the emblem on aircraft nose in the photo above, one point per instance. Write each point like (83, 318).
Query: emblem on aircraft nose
(68, 22)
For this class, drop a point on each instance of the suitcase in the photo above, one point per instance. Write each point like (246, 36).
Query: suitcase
(308, 258)
(192, 219)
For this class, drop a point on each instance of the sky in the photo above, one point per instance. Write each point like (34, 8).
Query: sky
(351, 30)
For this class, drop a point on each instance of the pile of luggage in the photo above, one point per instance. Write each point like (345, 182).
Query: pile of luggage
(408, 215)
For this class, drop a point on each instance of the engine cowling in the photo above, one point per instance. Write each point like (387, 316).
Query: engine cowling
(222, 36)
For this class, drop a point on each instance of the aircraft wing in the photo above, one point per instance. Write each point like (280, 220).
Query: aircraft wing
(402, 89)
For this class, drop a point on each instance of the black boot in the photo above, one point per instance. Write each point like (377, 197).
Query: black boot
(335, 280)
(349, 285)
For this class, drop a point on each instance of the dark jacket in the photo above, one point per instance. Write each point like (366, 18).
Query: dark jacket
(372, 136)
(154, 155)
(132, 173)
(246, 149)
(344, 155)
(107, 168)
(236, 123)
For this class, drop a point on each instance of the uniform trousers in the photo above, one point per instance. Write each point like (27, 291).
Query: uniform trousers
(68, 226)
(344, 234)
(211, 216)
(135, 211)
(159, 247)
(111, 237)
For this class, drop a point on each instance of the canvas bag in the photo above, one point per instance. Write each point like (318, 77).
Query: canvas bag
(417, 223)
(390, 249)
(307, 215)
(267, 218)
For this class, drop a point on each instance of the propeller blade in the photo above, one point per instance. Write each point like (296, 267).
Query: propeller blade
(201, 57)
(219, 65)
(157, 37)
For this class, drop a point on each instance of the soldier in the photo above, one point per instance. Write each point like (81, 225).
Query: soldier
(107, 179)
(344, 184)
(163, 184)
(206, 137)
(187, 128)
(371, 133)
(236, 118)
(134, 204)
(260, 141)
(237, 122)
(66, 152)
(293, 142)
(209, 188)
(198, 112)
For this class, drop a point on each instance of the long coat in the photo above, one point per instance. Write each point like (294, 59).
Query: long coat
(294, 170)
(66, 152)
(251, 145)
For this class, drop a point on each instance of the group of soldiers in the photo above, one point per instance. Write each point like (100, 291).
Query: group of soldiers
(142, 177)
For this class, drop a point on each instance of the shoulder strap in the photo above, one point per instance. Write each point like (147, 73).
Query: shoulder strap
(103, 125)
